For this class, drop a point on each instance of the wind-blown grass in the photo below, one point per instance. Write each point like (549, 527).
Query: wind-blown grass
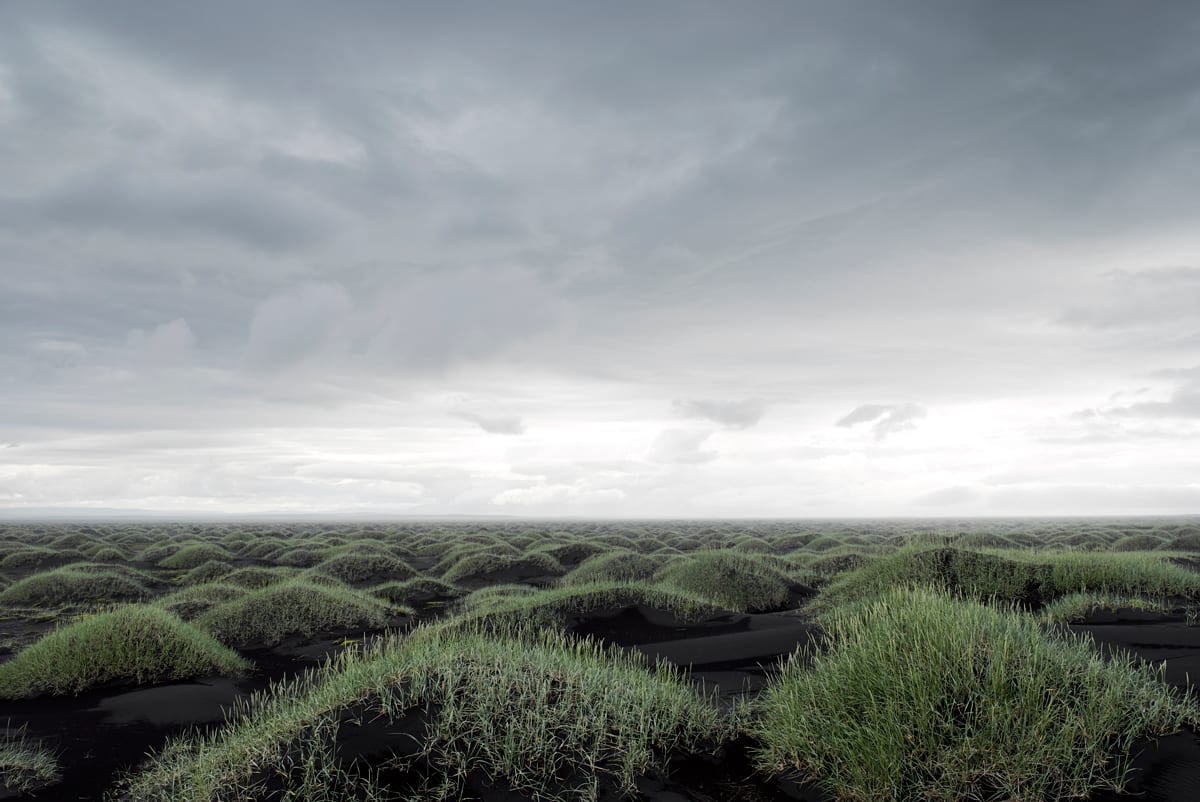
(139, 643)
(296, 607)
(26, 765)
(69, 585)
(551, 715)
(925, 696)
(1019, 576)
(734, 581)
(614, 566)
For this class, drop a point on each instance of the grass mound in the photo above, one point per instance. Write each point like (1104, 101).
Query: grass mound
(194, 555)
(1011, 712)
(296, 607)
(64, 586)
(361, 567)
(206, 572)
(139, 643)
(549, 715)
(253, 576)
(416, 590)
(733, 581)
(192, 602)
(1030, 578)
(616, 566)
(487, 567)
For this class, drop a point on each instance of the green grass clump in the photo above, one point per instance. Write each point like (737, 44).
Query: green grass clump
(26, 765)
(138, 643)
(1142, 542)
(365, 567)
(30, 557)
(1075, 607)
(296, 607)
(253, 576)
(193, 555)
(206, 572)
(70, 585)
(1029, 577)
(549, 715)
(415, 590)
(614, 566)
(551, 607)
(191, 602)
(733, 581)
(1010, 713)
(486, 566)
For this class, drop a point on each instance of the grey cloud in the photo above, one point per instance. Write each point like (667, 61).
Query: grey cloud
(681, 446)
(493, 424)
(295, 325)
(734, 414)
(887, 418)
(949, 497)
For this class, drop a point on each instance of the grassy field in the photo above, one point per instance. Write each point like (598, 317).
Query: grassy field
(871, 660)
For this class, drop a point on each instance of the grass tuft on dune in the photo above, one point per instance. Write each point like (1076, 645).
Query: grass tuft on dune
(926, 696)
(137, 643)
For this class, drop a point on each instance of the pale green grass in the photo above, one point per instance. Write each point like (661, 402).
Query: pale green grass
(137, 643)
(740, 582)
(925, 696)
(73, 586)
(552, 716)
(295, 607)
(1076, 607)
(614, 566)
(26, 765)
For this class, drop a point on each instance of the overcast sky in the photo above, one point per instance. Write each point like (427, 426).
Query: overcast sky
(678, 259)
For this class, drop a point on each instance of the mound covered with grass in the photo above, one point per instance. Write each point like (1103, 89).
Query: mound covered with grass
(547, 715)
(191, 602)
(416, 590)
(296, 607)
(615, 566)
(359, 567)
(193, 555)
(489, 567)
(136, 643)
(68, 585)
(1011, 711)
(734, 581)
(1030, 578)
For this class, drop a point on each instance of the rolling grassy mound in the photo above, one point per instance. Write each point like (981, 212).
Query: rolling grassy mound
(65, 586)
(296, 607)
(137, 643)
(1011, 712)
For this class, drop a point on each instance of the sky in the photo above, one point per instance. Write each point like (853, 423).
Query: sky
(629, 259)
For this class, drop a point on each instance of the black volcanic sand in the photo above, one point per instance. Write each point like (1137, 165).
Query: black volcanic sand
(102, 732)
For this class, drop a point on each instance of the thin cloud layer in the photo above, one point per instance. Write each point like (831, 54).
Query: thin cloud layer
(289, 257)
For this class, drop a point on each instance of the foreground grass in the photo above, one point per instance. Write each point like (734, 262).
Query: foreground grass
(137, 643)
(551, 715)
(924, 696)
(26, 765)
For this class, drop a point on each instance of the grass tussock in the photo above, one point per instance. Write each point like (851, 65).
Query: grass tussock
(297, 607)
(191, 602)
(1076, 607)
(26, 765)
(73, 586)
(136, 643)
(734, 581)
(194, 555)
(615, 566)
(359, 567)
(550, 715)
(416, 590)
(1028, 577)
(1011, 713)
(487, 566)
